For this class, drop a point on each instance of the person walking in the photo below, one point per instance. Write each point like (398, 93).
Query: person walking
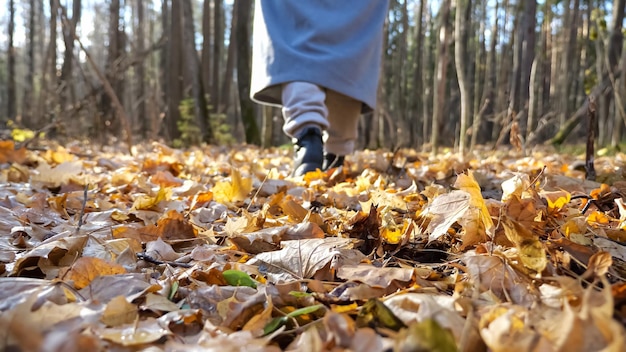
(320, 61)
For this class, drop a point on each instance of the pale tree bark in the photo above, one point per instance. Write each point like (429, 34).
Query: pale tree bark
(244, 16)
(11, 86)
(528, 56)
(569, 52)
(417, 99)
(488, 96)
(193, 68)
(463, 8)
(441, 70)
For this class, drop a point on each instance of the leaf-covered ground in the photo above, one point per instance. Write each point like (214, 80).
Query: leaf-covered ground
(219, 249)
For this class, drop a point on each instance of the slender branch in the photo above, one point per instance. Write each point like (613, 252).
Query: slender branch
(119, 108)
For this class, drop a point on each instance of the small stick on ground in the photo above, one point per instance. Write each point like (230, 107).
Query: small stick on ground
(590, 171)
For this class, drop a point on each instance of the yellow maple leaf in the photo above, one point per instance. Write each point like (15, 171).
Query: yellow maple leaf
(477, 221)
(556, 199)
(147, 202)
(234, 191)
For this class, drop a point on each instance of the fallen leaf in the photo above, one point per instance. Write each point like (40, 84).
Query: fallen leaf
(86, 269)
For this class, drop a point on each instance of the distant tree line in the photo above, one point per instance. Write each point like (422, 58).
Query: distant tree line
(455, 73)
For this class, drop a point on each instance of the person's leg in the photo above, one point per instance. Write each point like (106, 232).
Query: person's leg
(343, 118)
(305, 113)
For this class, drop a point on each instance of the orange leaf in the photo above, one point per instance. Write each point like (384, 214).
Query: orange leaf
(86, 269)
(8, 154)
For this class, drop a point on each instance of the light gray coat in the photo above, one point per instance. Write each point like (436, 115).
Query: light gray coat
(336, 44)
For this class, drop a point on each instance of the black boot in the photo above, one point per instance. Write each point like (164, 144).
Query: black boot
(309, 153)
(332, 160)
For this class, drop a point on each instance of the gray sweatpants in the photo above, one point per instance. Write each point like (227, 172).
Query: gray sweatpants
(306, 104)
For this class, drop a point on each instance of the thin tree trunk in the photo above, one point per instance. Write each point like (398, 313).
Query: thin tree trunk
(11, 86)
(142, 117)
(418, 95)
(66, 85)
(27, 101)
(175, 70)
(207, 54)
(441, 70)
(193, 68)
(218, 42)
(108, 88)
(230, 66)
(463, 7)
(244, 16)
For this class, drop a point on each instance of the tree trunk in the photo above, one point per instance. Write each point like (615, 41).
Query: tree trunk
(175, 70)
(439, 96)
(463, 7)
(528, 56)
(66, 84)
(244, 15)
(230, 66)
(218, 43)
(142, 117)
(418, 94)
(27, 101)
(11, 87)
(193, 68)
(207, 54)
(111, 119)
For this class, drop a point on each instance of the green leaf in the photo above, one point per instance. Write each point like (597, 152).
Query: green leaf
(375, 313)
(299, 294)
(305, 310)
(427, 335)
(274, 325)
(173, 290)
(238, 278)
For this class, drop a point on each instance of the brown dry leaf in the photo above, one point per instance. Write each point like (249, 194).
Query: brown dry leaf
(304, 258)
(495, 274)
(476, 222)
(172, 226)
(144, 332)
(156, 302)
(598, 265)
(165, 179)
(373, 276)
(119, 312)
(58, 175)
(50, 256)
(298, 213)
(86, 269)
(445, 210)
(531, 251)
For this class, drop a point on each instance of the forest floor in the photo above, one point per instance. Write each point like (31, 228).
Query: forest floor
(218, 249)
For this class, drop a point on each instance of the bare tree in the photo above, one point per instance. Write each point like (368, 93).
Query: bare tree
(244, 14)
(441, 71)
(193, 68)
(11, 88)
(65, 83)
(175, 72)
(463, 9)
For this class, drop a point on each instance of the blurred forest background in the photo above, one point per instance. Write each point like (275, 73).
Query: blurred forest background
(455, 73)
